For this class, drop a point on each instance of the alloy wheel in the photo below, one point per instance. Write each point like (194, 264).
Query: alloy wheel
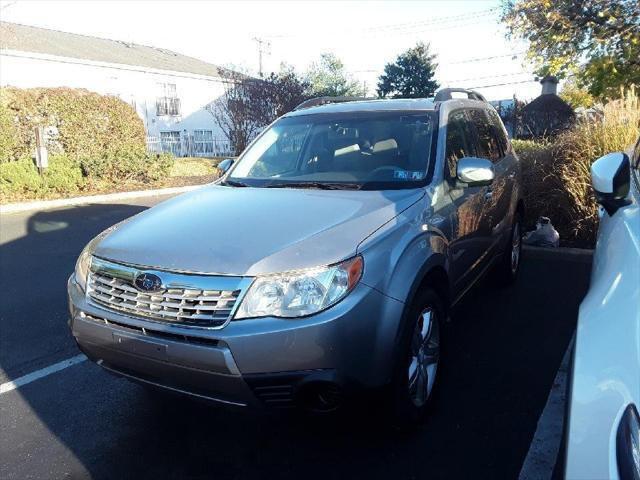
(425, 355)
(516, 246)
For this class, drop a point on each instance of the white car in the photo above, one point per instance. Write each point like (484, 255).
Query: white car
(603, 433)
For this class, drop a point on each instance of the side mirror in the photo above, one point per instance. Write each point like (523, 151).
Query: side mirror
(225, 164)
(611, 179)
(475, 171)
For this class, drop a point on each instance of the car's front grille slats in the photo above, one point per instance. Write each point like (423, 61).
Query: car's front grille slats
(188, 306)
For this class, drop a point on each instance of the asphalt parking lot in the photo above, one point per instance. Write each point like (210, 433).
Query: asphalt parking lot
(504, 349)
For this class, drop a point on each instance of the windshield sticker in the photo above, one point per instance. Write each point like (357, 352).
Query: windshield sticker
(407, 175)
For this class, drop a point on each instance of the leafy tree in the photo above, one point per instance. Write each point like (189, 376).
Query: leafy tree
(328, 78)
(576, 96)
(599, 39)
(411, 75)
(277, 94)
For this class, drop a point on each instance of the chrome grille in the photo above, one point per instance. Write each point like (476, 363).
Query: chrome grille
(114, 288)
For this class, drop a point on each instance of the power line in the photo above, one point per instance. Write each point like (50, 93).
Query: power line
(433, 21)
(391, 33)
(459, 80)
(385, 29)
(457, 62)
(425, 29)
(478, 59)
(8, 4)
(501, 84)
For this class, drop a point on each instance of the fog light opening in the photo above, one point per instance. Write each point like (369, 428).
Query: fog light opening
(321, 396)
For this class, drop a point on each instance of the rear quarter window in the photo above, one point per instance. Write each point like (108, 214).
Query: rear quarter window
(487, 145)
(459, 141)
(499, 131)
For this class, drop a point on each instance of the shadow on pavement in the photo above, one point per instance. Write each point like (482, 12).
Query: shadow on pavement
(37, 255)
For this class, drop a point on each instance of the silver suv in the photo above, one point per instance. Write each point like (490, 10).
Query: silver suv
(323, 263)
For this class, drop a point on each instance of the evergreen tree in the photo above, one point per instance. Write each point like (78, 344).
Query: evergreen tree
(410, 76)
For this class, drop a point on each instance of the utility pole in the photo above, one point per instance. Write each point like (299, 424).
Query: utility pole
(264, 47)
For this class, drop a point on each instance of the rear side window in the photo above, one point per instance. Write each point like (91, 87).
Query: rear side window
(487, 145)
(499, 131)
(636, 156)
(459, 141)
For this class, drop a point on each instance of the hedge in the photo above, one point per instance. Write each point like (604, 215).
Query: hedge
(89, 125)
(8, 134)
(20, 180)
(96, 139)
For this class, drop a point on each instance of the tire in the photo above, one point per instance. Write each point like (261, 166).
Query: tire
(509, 266)
(418, 358)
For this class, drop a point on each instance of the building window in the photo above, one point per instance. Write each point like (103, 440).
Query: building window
(203, 143)
(170, 142)
(168, 102)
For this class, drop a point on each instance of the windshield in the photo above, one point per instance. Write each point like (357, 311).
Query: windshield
(355, 150)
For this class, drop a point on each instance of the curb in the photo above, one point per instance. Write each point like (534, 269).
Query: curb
(108, 197)
(561, 253)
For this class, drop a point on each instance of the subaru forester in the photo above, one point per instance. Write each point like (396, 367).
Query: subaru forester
(322, 263)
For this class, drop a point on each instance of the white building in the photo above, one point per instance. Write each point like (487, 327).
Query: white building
(169, 91)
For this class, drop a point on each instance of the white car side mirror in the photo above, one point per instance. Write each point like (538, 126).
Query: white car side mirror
(611, 178)
(475, 171)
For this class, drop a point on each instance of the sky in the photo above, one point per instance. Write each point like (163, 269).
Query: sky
(467, 36)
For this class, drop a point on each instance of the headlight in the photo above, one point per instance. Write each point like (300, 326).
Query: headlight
(628, 445)
(296, 294)
(82, 267)
(83, 264)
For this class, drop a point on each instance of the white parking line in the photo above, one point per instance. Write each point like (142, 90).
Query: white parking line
(43, 372)
(543, 451)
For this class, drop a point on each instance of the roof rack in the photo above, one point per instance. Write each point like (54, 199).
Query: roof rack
(314, 102)
(445, 94)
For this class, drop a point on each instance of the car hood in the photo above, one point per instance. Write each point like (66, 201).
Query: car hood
(250, 231)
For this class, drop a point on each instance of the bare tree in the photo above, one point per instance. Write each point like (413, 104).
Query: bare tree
(249, 104)
(231, 112)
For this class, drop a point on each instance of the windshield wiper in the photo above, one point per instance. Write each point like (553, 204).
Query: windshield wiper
(316, 185)
(233, 183)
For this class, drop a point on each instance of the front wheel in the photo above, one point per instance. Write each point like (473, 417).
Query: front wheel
(419, 356)
(507, 270)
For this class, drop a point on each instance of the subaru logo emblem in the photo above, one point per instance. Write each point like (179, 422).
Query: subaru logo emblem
(148, 282)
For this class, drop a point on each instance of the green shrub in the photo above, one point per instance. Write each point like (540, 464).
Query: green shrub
(8, 134)
(89, 125)
(192, 167)
(63, 175)
(128, 166)
(20, 178)
(98, 140)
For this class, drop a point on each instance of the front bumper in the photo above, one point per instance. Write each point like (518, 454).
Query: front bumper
(249, 362)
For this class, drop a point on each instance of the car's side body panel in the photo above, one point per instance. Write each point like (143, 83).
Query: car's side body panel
(606, 370)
